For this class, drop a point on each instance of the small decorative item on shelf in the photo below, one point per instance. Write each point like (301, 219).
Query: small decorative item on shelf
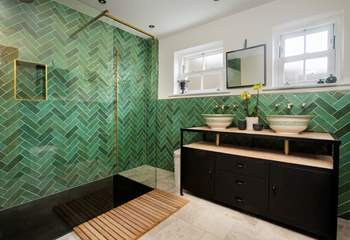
(321, 81)
(242, 124)
(183, 85)
(258, 126)
(331, 79)
(252, 117)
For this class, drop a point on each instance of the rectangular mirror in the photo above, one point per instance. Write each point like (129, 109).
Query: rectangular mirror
(245, 67)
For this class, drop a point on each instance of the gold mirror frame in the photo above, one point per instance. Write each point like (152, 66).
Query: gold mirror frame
(33, 98)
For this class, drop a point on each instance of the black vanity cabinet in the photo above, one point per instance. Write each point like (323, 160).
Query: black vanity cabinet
(301, 197)
(297, 190)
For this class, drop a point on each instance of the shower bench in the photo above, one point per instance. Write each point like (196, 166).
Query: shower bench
(291, 180)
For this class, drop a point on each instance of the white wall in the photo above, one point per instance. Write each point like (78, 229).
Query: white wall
(257, 25)
(86, 9)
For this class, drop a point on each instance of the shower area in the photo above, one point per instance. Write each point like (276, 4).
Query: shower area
(78, 109)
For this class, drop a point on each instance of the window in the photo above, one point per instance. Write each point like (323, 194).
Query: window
(202, 67)
(306, 56)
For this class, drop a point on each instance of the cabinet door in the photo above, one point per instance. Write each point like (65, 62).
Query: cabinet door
(302, 197)
(197, 172)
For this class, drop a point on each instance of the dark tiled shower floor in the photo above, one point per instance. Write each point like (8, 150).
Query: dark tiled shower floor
(56, 215)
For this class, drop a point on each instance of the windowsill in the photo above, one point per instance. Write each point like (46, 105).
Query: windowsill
(203, 94)
(331, 87)
(324, 85)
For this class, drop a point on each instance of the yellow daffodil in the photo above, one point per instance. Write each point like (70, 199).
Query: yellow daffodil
(257, 86)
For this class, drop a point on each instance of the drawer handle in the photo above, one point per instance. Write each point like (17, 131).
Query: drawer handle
(239, 182)
(274, 190)
(239, 200)
(240, 165)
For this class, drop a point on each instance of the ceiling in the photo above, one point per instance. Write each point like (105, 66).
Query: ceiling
(171, 16)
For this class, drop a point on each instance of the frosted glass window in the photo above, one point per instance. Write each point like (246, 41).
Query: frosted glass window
(212, 81)
(294, 46)
(293, 72)
(194, 83)
(214, 61)
(306, 56)
(316, 68)
(317, 42)
(193, 64)
(203, 67)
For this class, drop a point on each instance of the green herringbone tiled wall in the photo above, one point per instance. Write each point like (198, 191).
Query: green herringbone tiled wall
(69, 140)
(134, 101)
(332, 111)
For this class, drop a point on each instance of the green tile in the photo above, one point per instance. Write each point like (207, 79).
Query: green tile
(69, 140)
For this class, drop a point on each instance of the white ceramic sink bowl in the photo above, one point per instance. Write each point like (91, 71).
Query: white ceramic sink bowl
(218, 121)
(289, 124)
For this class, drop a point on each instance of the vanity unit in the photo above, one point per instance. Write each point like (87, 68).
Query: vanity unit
(291, 180)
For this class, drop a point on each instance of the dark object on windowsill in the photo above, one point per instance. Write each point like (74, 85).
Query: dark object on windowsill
(183, 85)
(258, 126)
(331, 79)
(242, 124)
(321, 81)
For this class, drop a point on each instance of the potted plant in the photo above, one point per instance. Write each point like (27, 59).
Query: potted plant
(251, 116)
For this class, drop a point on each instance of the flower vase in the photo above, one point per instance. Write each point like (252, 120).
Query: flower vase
(251, 121)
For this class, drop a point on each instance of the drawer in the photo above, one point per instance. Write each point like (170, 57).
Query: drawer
(257, 205)
(241, 165)
(248, 186)
(240, 191)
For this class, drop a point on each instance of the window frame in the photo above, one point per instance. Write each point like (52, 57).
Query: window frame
(334, 24)
(330, 54)
(196, 52)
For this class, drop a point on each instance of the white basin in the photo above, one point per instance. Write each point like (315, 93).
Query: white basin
(289, 124)
(218, 121)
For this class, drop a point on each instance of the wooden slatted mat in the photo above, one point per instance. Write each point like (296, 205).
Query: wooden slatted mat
(132, 219)
(82, 209)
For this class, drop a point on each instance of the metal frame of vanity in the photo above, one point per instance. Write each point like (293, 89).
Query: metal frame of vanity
(289, 185)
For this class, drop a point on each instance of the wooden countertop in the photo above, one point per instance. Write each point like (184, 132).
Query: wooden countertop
(320, 161)
(267, 132)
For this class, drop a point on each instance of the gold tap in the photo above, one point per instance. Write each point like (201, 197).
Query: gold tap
(222, 106)
(235, 107)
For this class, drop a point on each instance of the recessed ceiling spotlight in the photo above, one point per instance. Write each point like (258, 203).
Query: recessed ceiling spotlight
(216, 0)
(102, 1)
(151, 26)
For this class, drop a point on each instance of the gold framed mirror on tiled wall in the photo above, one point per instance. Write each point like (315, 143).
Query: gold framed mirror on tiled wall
(29, 80)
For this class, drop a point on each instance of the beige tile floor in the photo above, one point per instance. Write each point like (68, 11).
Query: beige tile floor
(203, 220)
